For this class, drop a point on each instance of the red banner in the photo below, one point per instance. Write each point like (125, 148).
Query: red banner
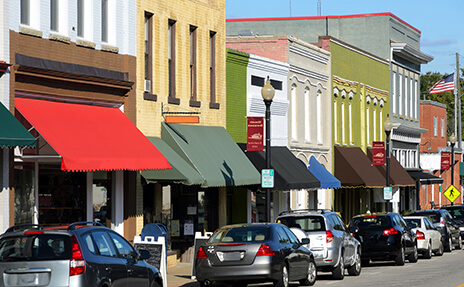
(378, 153)
(445, 160)
(255, 133)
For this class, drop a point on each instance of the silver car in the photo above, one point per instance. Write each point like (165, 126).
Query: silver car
(75, 255)
(333, 246)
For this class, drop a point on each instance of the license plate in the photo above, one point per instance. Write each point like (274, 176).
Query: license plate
(230, 256)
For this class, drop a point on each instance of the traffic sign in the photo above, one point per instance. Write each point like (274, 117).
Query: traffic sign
(452, 193)
(267, 178)
(387, 193)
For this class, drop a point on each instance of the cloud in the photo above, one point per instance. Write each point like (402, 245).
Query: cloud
(438, 42)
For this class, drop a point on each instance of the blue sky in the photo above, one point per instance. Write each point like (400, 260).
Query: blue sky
(442, 33)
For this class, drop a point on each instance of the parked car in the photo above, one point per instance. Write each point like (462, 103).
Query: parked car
(447, 226)
(457, 212)
(333, 246)
(242, 254)
(429, 239)
(384, 236)
(81, 254)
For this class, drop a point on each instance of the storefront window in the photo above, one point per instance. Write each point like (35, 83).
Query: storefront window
(24, 198)
(62, 195)
(101, 186)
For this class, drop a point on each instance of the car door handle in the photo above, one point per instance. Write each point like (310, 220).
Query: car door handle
(109, 269)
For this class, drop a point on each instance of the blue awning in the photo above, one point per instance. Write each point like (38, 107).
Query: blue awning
(323, 175)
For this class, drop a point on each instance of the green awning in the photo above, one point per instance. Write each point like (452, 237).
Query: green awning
(12, 132)
(213, 152)
(181, 172)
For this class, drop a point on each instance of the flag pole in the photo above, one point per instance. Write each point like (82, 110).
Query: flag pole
(458, 96)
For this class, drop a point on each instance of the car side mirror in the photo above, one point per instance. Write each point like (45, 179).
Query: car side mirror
(354, 230)
(144, 254)
(305, 241)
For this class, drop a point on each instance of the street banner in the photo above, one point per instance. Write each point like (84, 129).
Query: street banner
(445, 160)
(255, 133)
(378, 153)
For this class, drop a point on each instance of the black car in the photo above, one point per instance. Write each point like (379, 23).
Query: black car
(81, 254)
(457, 211)
(242, 254)
(384, 236)
(447, 226)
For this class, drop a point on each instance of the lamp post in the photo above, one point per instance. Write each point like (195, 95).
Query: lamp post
(388, 125)
(453, 142)
(267, 92)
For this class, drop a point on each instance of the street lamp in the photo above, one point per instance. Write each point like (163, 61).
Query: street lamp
(267, 92)
(388, 125)
(453, 142)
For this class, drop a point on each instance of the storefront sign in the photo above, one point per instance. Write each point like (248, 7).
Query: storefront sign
(255, 133)
(445, 160)
(378, 153)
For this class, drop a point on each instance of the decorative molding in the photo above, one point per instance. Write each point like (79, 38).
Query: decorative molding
(30, 32)
(309, 55)
(111, 49)
(85, 44)
(59, 38)
(308, 73)
(307, 80)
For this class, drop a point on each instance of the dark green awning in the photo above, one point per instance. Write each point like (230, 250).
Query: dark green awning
(181, 171)
(213, 152)
(12, 132)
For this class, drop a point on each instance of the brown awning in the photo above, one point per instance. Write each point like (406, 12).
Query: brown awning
(354, 169)
(398, 175)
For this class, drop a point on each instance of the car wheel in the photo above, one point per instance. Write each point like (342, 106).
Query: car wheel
(400, 257)
(312, 274)
(449, 247)
(355, 269)
(339, 272)
(459, 247)
(428, 254)
(440, 250)
(412, 258)
(283, 281)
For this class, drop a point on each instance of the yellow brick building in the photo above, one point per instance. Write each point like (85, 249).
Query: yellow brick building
(158, 21)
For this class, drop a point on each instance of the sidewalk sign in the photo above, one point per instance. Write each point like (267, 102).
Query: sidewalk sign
(199, 241)
(158, 256)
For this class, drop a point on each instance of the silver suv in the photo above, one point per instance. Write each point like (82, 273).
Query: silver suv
(333, 246)
(74, 255)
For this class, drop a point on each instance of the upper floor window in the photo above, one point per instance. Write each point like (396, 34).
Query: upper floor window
(319, 116)
(212, 66)
(193, 63)
(104, 21)
(259, 81)
(80, 18)
(30, 13)
(148, 52)
(335, 117)
(54, 15)
(172, 59)
(442, 127)
(25, 12)
(435, 126)
(294, 112)
(307, 113)
(394, 93)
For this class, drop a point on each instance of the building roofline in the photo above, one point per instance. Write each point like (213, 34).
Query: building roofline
(325, 17)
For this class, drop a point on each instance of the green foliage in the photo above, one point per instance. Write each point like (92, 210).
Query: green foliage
(427, 81)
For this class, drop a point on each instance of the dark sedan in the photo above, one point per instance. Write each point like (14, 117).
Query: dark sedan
(384, 236)
(254, 253)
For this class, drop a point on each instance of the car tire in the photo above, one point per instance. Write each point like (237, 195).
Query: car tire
(155, 284)
(400, 258)
(428, 253)
(283, 280)
(339, 272)
(355, 269)
(440, 250)
(414, 256)
(449, 247)
(459, 247)
(312, 274)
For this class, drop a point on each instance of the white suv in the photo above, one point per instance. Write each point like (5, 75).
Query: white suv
(333, 246)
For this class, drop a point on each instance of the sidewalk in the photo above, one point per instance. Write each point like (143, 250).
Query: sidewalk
(181, 276)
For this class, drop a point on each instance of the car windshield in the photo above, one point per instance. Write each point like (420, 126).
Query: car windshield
(371, 222)
(307, 223)
(413, 222)
(240, 234)
(457, 213)
(35, 247)
(432, 216)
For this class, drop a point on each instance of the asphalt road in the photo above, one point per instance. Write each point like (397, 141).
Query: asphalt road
(442, 271)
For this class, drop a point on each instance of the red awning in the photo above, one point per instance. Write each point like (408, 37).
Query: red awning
(90, 137)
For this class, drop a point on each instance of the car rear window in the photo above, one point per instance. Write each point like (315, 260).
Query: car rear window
(371, 222)
(307, 223)
(413, 222)
(240, 234)
(434, 217)
(35, 247)
(456, 212)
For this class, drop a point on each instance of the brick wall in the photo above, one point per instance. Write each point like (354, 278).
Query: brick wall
(272, 47)
(429, 142)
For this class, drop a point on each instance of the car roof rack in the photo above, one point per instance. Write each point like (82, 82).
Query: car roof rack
(23, 226)
(85, 223)
(316, 210)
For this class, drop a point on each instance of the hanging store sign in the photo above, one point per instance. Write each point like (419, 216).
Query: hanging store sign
(255, 133)
(378, 153)
(445, 160)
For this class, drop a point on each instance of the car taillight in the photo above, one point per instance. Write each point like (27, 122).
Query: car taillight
(420, 235)
(265, 250)
(329, 236)
(201, 254)
(390, 231)
(442, 222)
(77, 263)
(33, 232)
